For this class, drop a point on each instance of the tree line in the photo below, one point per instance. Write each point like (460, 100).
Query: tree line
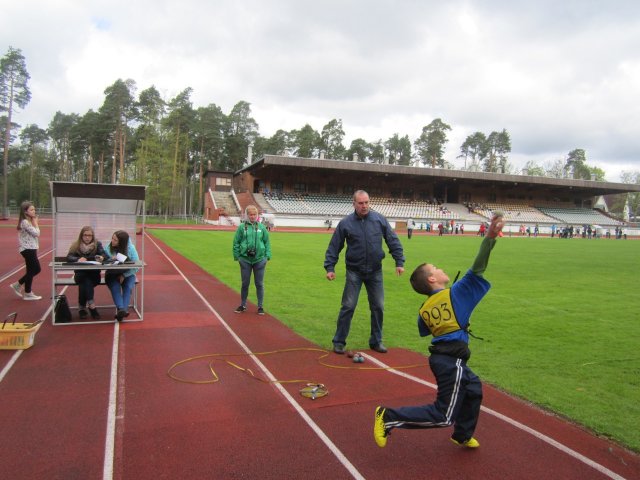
(137, 137)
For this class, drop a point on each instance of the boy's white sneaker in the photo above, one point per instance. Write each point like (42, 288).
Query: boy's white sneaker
(17, 289)
(31, 296)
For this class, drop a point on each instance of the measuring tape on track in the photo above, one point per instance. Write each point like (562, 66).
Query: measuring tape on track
(314, 390)
(311, 389)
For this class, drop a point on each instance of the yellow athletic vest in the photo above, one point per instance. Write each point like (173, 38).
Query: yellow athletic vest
(437, 313)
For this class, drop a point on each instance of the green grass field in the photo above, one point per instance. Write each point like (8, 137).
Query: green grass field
(561, 324)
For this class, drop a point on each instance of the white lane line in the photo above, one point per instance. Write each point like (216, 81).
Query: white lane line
(14, 358)
(22, 267)
(109, 444)
(17, 353)
(541, 436)
(316, 429)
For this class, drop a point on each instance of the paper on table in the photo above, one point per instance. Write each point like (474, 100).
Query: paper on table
(93, 262)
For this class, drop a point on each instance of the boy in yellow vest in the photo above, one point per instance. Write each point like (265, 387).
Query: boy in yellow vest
(445, 315)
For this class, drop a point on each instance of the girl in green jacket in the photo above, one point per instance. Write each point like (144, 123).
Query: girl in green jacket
(252, 250)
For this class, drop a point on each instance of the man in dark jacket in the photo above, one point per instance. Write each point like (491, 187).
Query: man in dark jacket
(363, 231)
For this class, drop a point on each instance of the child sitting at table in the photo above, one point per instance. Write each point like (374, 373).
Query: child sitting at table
(86, 249)
(121, 281)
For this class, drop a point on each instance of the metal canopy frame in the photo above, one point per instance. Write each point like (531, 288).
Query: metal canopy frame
(106, 208)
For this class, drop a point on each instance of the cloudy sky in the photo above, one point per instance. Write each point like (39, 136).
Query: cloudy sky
(557, 75)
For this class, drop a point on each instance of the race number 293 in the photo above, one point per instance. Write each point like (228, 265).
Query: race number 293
(437, 314)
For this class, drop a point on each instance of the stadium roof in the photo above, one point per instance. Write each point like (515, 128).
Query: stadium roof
(271, 165)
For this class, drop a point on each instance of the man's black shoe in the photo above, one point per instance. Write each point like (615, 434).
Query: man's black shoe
(339, 349)
(380, 348)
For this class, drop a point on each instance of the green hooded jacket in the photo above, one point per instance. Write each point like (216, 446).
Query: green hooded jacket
(251, 236)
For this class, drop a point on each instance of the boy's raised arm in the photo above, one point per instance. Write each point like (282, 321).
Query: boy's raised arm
(482, 259)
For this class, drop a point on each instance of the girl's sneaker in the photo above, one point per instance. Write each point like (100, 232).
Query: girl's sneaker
(31, 296)
(17, 289)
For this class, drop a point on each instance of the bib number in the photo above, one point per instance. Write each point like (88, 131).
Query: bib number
(436, 315)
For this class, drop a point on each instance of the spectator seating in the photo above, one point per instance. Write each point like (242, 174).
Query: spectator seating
(335, 205)
(513, 212)
(340, 205)
(416, 209)
(310, 204)
(580, 216)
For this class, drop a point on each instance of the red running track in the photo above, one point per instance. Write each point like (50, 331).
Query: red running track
(66, 416)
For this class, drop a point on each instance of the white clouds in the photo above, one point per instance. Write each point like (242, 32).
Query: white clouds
(556, 75)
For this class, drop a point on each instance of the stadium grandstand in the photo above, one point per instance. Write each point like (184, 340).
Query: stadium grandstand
(311, 192)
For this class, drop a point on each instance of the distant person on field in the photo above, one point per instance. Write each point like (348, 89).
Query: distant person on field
(252, 250)
(445, 315)
(363, 232)
(86, 249)
(28, 244)
(410, 226)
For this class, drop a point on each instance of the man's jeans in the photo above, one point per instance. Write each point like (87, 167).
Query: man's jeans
(258, 279)
(375, 292)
